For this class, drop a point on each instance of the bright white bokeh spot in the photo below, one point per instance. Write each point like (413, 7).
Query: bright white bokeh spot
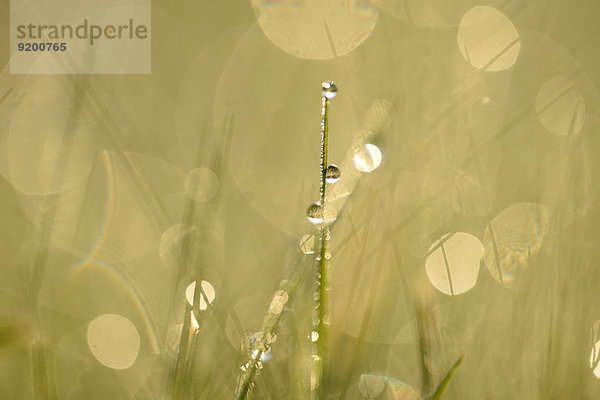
(307, 244)
(113, 340)
(209, 291)
(453, 263)
(316, 29)
(560, 107)
(201, 184)
(488, 40)
(367, 158)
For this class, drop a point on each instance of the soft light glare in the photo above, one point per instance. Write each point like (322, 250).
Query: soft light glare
(208, 289)
(316, 29)
(595, 359)
(367, 158)
(453, 263)
(488, 40)
(113, 340)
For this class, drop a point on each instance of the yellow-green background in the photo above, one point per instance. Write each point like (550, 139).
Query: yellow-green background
(93, 192)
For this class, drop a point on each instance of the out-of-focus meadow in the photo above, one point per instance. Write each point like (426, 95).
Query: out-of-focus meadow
(466, 220)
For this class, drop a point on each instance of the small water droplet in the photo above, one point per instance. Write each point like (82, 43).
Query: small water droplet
(315, 213)
(271, 338)
(328, 256)
(332, 174)
(329, 89)
(314, 336)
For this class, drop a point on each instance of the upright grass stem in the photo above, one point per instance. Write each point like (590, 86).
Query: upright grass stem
(271, 321)
(322, 274)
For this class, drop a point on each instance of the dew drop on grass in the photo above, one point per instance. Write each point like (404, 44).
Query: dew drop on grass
(329, 89)
(315, 214)
(314, 336)
(279, 300)
(332, 174)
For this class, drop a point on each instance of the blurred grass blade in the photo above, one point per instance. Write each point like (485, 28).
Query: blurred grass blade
(442, 386)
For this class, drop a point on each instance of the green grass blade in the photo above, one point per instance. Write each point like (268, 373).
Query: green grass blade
(437, 394)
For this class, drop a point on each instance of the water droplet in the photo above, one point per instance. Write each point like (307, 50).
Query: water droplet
(279, 300)
(367, 158)
(328, 256)
(329, 89)
(271, 338)
(315, 213)
(332, 174)
(314, 336)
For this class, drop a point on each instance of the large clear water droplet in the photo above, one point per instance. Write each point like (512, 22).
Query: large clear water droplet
(329, 89)
(332, 174)
(315, 213)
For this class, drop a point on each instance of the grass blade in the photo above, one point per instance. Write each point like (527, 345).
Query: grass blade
(437, 394)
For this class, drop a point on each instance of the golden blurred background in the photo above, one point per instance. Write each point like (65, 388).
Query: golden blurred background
(466, 220)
